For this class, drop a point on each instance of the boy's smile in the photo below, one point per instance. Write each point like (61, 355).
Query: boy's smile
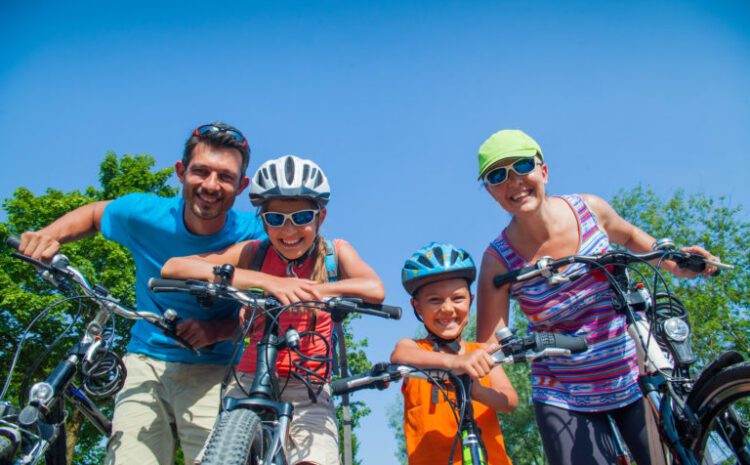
(444, 307)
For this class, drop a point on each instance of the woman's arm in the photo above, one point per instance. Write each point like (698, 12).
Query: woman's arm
(357, 279)
(492, 303)
(635, 239)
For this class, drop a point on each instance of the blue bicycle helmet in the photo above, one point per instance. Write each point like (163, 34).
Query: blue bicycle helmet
(435, 262)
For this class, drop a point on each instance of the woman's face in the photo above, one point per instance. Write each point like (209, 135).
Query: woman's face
(290, 240)
(520, 193)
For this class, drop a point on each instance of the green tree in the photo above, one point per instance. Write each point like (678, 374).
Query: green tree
(23, 295)
(718, 306)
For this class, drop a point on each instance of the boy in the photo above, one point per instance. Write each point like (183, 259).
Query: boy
(438, 277)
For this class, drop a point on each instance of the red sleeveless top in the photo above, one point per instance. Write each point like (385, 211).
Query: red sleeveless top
(298, 318)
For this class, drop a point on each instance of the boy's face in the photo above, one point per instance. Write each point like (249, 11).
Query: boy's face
(444, 307)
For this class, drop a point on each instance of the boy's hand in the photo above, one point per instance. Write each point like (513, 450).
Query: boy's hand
(477, 364)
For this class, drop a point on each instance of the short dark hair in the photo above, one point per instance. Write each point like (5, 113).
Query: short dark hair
(218, 139)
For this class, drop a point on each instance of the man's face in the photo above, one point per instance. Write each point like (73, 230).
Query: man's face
(210, 183)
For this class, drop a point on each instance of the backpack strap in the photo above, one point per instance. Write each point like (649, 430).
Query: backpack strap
(332, 261)
(256, 263)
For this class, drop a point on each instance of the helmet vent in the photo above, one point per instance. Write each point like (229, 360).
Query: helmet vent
(454, 256)
(289, 169)
(261, 181)
(305, 172)
(272, 170)
(439, 255)
(318, 179)
(411, 266)
(424, 261)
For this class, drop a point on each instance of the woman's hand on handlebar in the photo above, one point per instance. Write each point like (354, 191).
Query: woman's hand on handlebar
(710, 270)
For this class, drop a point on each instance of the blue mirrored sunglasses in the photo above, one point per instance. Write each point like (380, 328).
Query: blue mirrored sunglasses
(211, 129)
(499, 175)
(298, 218)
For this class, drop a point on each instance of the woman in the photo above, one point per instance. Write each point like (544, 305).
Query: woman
(572, 395)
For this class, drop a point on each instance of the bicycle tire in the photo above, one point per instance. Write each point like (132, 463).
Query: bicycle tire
(57, 452)
(7, 450)
(236, 440)
(723, 405)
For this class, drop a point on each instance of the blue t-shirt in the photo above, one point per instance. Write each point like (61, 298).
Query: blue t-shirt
(153, 230)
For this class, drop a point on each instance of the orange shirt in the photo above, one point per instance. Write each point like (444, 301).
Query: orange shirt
(430, 429)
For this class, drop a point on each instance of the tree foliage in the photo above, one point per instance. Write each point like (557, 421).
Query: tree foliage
(23, 295)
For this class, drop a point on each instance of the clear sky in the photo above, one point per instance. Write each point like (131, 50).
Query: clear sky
(392, 99)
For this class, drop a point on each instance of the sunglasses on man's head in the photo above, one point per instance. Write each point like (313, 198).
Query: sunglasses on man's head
(298, 218)
(521, 167)
(213, 129)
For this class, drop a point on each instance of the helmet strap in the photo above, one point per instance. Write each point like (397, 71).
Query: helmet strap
(297, 262)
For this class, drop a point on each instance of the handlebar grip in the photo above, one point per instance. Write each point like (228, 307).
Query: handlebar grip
(13, 242)
(512, 276)
(390, 311)
(352, 383)
(576, 344)
(168, 285)
(692, 262)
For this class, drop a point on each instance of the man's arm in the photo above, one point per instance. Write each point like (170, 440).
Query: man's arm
(81, 222)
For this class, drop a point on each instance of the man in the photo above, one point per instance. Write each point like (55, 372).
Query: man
(168, 388)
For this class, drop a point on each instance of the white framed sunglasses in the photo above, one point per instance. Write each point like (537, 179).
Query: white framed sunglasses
(521, 167)
(298, 218)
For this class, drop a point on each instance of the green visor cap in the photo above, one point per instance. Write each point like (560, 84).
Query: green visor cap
(506, 144)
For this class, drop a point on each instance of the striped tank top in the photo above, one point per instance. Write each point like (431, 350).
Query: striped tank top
(604, 377)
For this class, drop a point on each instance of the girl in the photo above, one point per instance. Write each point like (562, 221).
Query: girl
(292, 194)
(571, 396)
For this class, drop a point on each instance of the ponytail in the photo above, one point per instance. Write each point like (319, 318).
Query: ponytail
(319, 272)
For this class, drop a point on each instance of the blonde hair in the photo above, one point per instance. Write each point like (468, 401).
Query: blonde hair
(320, 272)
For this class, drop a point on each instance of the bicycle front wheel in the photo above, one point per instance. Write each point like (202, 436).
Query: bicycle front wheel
(236, 440)
(723, 409)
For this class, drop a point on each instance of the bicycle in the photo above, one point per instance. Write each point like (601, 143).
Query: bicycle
(253, 429)
(38, 430)
(698, 419)
(512, 349)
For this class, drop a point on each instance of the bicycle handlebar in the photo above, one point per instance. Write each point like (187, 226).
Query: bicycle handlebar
(60, 268)
(548, 267)
(525, 349)
(338, 307)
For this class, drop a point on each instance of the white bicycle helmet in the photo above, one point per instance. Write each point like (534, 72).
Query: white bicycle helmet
(289, 176)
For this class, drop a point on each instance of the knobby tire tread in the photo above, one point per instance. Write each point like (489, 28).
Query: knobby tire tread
(236, 439)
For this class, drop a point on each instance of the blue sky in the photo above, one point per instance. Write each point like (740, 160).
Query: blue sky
(392, 99)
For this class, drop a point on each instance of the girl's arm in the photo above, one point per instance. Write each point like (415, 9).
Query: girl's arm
(500, 396)
(492, 303)
(635, 239)
(287, 290)
(357, 279)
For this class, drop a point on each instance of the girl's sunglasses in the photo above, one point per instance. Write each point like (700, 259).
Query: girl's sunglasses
(298, 218)
(499, 175)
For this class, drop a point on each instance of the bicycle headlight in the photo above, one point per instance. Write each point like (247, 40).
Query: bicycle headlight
(41, 393)
(676, 329)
